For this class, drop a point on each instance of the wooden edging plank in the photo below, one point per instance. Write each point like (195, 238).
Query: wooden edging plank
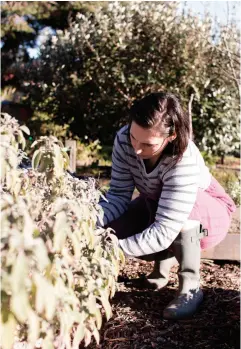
(228, 249)
(69, 143)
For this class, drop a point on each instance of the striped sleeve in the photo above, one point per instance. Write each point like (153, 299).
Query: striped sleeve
(180, 185)
(122, 185)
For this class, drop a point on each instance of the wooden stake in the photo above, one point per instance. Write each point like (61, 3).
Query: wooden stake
(69, 143)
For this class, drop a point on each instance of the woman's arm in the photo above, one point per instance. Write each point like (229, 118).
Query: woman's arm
(180, 185)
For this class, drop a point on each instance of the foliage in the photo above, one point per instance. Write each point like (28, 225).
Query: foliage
(57, 269)
(42, 124)
(8, 93)
(23, 21)
(209, 159)
(17, 28)
(88, 153)
(89, 74)
(92, 154)
(230, 180)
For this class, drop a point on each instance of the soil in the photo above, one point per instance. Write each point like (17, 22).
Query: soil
(137, 321)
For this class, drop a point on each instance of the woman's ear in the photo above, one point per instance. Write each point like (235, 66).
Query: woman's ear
(172, 137)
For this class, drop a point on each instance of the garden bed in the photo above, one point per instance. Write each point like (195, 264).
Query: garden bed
(137, 321)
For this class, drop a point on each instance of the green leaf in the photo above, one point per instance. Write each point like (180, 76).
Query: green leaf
(20, 305)
(50, 303)
(114, 238)
(87, 233)
(41, 254)
(3, 168)
(76, 245)
(21, 140)
(34, 143)
(47, 343)
(115, 264)
(98, 252)
(19, 273)
(79, 335)
(8, 332)
(45, 296)
(87, 337)
(106, 304)
(70, 278)
(36, 158)
(92, 304)
(96, 335)
(121, 256)
(112, 286)
(33, 327)
(66, 160)
(40, 293)
(60, 231)
(58, 160)
(9, 180)
(98, 318)
(25, 129)
(17, 188)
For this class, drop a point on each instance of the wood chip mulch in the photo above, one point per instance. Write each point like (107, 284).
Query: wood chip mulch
(137, 321)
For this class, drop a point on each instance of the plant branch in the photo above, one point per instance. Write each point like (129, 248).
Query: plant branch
(190, 114)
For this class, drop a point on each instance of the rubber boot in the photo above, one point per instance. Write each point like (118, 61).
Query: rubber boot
(186, 249)
(159, 277)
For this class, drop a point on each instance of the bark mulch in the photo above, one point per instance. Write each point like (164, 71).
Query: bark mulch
(137, 321)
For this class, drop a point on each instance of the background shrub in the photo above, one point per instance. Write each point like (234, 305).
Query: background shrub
(230, 180)
(88, 75)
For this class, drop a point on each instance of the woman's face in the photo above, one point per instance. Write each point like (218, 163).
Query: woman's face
(147, 142)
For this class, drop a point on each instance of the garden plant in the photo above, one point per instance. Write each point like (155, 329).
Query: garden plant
(58, 270)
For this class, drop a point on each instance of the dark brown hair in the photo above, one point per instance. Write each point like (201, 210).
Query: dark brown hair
(163, 111)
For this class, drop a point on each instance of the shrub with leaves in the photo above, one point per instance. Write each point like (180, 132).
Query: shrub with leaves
(230, 180)
(57, 269)
(88, 154)
(88, 75)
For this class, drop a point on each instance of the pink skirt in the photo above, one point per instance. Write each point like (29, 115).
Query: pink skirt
(213, 208)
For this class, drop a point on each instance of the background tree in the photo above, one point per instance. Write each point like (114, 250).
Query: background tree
(23, 21)
(87, 76)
